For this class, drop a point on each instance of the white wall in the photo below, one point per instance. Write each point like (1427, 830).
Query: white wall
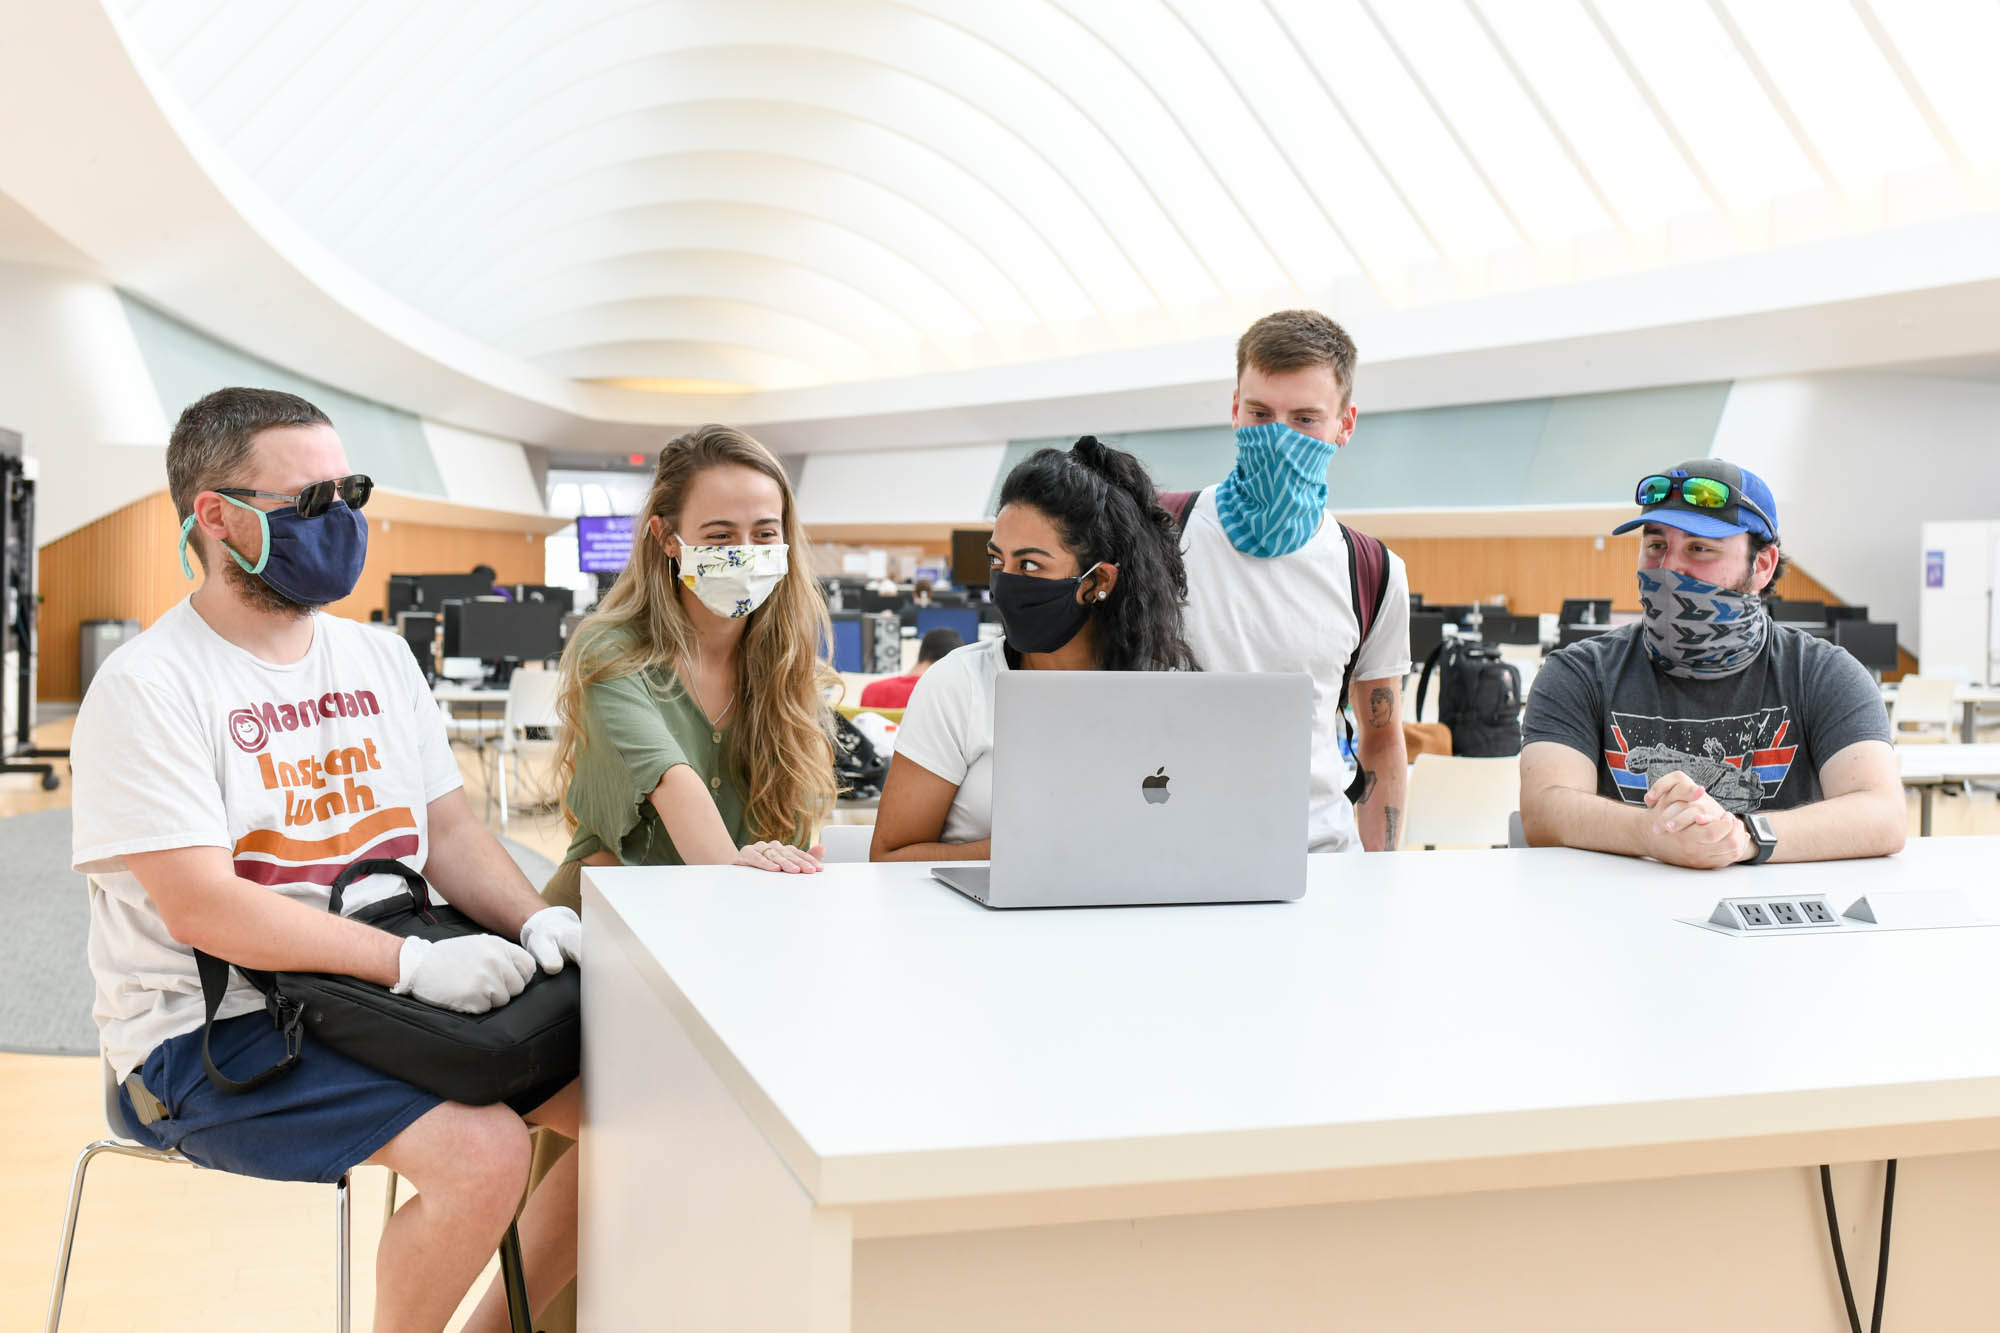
(1857, 462)
(944, 485)
(73, 383)
(483, 470)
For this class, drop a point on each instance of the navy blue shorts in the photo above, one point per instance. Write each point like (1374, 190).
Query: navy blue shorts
(327, 1116)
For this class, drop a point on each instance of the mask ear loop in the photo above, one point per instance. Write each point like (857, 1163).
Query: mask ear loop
(1086, 574)
(264, 530)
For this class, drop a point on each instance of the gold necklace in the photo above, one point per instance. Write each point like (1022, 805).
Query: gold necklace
(714, 723)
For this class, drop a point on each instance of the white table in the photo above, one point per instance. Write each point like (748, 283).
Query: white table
(1969, 698)
(1928, 767)
(1453, 1090)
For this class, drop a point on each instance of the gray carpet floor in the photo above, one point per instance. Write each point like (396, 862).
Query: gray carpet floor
(45, 986)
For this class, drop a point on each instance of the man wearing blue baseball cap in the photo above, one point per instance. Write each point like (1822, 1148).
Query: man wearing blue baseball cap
(1706, 735)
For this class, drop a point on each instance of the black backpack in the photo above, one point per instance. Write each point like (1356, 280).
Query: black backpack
(857, 766)
(1479, 698)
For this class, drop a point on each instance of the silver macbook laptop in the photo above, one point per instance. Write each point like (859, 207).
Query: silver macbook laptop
(1117, 788)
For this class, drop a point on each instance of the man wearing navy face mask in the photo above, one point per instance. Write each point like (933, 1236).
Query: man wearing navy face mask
(1706, 735)
(228, 763)
(1275, 583)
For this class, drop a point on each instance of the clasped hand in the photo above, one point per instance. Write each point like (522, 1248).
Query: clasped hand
(1689, 828)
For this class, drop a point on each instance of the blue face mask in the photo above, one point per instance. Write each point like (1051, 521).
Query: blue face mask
(312, 561)
(1272, 502)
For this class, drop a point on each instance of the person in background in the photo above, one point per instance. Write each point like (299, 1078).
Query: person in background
(1268, 574)
(1707, 735)
(920, 592)
(695, 727)
(1087, 576)
(196, 833)
(894, 691)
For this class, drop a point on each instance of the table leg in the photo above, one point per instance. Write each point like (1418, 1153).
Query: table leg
(1924, 811)
(1968, 727)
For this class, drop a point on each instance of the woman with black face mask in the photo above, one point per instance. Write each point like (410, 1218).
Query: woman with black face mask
(1087, 576)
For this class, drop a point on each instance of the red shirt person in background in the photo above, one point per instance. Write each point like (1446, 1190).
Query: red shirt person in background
(894, 691)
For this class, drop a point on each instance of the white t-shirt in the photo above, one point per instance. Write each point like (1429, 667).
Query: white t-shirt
(1294, 613)
(186, 740)
(948, 729)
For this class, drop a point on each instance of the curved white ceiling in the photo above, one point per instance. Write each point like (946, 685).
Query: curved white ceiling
(805, 192)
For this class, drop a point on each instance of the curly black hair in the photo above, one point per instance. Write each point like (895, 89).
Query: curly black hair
(1103, 503)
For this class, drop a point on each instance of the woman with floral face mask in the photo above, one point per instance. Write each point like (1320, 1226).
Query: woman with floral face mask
(693, 702)
(695, 726)
(1087, 576)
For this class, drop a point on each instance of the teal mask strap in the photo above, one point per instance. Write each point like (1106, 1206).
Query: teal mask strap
(264, 529)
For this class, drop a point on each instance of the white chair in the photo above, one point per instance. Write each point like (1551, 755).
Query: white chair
(1455, 801)
(532, 695)
(125, 1142)
(846, 842)
(1925, 704)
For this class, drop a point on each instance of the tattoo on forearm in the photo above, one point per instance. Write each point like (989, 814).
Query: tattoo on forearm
(1367, 786)
(1392, 819)
(1380, 700)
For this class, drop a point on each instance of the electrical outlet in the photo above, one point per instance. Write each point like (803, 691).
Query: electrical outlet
(1753, 914)
(1785, 914)
(1817, 912)
(1772, 916)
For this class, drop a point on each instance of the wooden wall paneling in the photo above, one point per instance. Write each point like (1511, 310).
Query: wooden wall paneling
(123, 567)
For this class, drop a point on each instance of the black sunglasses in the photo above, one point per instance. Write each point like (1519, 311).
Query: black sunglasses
(312, 501)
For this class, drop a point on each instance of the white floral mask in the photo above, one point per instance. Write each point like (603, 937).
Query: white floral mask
(733, 581)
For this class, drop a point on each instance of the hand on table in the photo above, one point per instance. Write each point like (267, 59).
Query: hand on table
(1690, 829)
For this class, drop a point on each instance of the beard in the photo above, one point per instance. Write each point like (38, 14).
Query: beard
(261, 595)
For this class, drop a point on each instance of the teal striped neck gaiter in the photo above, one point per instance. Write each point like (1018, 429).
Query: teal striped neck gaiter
(1272, 501)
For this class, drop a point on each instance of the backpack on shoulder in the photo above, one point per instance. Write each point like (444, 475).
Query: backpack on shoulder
(1367, 568)
(1479, 698)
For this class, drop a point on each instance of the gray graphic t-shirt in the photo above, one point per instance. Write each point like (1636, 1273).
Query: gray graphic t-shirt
(1755, 740)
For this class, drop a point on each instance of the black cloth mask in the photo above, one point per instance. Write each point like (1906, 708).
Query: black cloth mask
(1039, 615)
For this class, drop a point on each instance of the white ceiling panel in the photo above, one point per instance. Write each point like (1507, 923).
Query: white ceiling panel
(775, 194)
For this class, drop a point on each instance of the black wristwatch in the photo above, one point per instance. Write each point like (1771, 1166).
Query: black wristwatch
(1762, 837)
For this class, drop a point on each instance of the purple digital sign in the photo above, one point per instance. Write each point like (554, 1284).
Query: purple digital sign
(603, 543)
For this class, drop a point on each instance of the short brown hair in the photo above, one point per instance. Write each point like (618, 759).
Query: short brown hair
(211, 441)
(1294, 339)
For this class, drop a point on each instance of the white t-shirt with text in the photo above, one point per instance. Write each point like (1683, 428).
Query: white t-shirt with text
(186, 740)
(1294, 613)
(947, 728)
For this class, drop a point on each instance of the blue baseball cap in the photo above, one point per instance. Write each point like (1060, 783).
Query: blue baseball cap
(1750, 506)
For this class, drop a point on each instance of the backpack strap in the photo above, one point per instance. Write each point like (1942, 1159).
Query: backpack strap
(1367, 568)
(1424, 681)
(1179, 504)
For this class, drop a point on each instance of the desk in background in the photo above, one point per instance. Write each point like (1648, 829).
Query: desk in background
(1446, 1091)
(1928, 767)
(1969, 698)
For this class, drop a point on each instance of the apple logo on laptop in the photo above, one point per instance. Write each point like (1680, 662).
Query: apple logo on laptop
(1155, 788)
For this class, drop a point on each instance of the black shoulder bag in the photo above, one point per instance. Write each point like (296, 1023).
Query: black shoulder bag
(533, 1040)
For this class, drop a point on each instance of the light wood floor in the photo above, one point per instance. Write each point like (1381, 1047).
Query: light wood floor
(161, 1249)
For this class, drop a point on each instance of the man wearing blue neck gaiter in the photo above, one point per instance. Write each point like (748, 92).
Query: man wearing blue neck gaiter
(1704, 734)
(1271, 586)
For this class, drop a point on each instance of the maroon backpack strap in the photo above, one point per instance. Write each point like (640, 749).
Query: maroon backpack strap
(1179, 504)
(1367, 568)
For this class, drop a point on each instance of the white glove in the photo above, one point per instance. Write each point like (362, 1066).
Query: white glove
(551, 935)
(470, 973)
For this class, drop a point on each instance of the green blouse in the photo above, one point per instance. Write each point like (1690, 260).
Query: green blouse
(635, 728)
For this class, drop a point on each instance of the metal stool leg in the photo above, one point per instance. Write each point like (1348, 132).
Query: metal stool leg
(515, 1279)
(389, 1200)
(83, 1161)
(342, 1229)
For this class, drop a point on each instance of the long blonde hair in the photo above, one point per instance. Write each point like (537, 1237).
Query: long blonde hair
(780, 750)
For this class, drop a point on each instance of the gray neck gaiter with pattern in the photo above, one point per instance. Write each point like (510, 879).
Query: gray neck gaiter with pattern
(1697, 629)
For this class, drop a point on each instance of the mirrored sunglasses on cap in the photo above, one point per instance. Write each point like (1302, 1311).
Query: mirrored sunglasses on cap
(1698, 493)
(352, 490)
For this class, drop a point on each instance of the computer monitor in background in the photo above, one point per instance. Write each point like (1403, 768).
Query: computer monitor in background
(969, 566)
(1454, 613)
(944, 597)
(403, 594)
(1569, 634)
(1836, 614)
(847, 641)
(503, 634)
(543, 592)
(1795, 613)
(1500, 627)
(1426, 633)
(1873, 643)
(1585, 611)
(428, 592)
(961, 618)
(880, 601)
(419, 630)
(603, 543)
